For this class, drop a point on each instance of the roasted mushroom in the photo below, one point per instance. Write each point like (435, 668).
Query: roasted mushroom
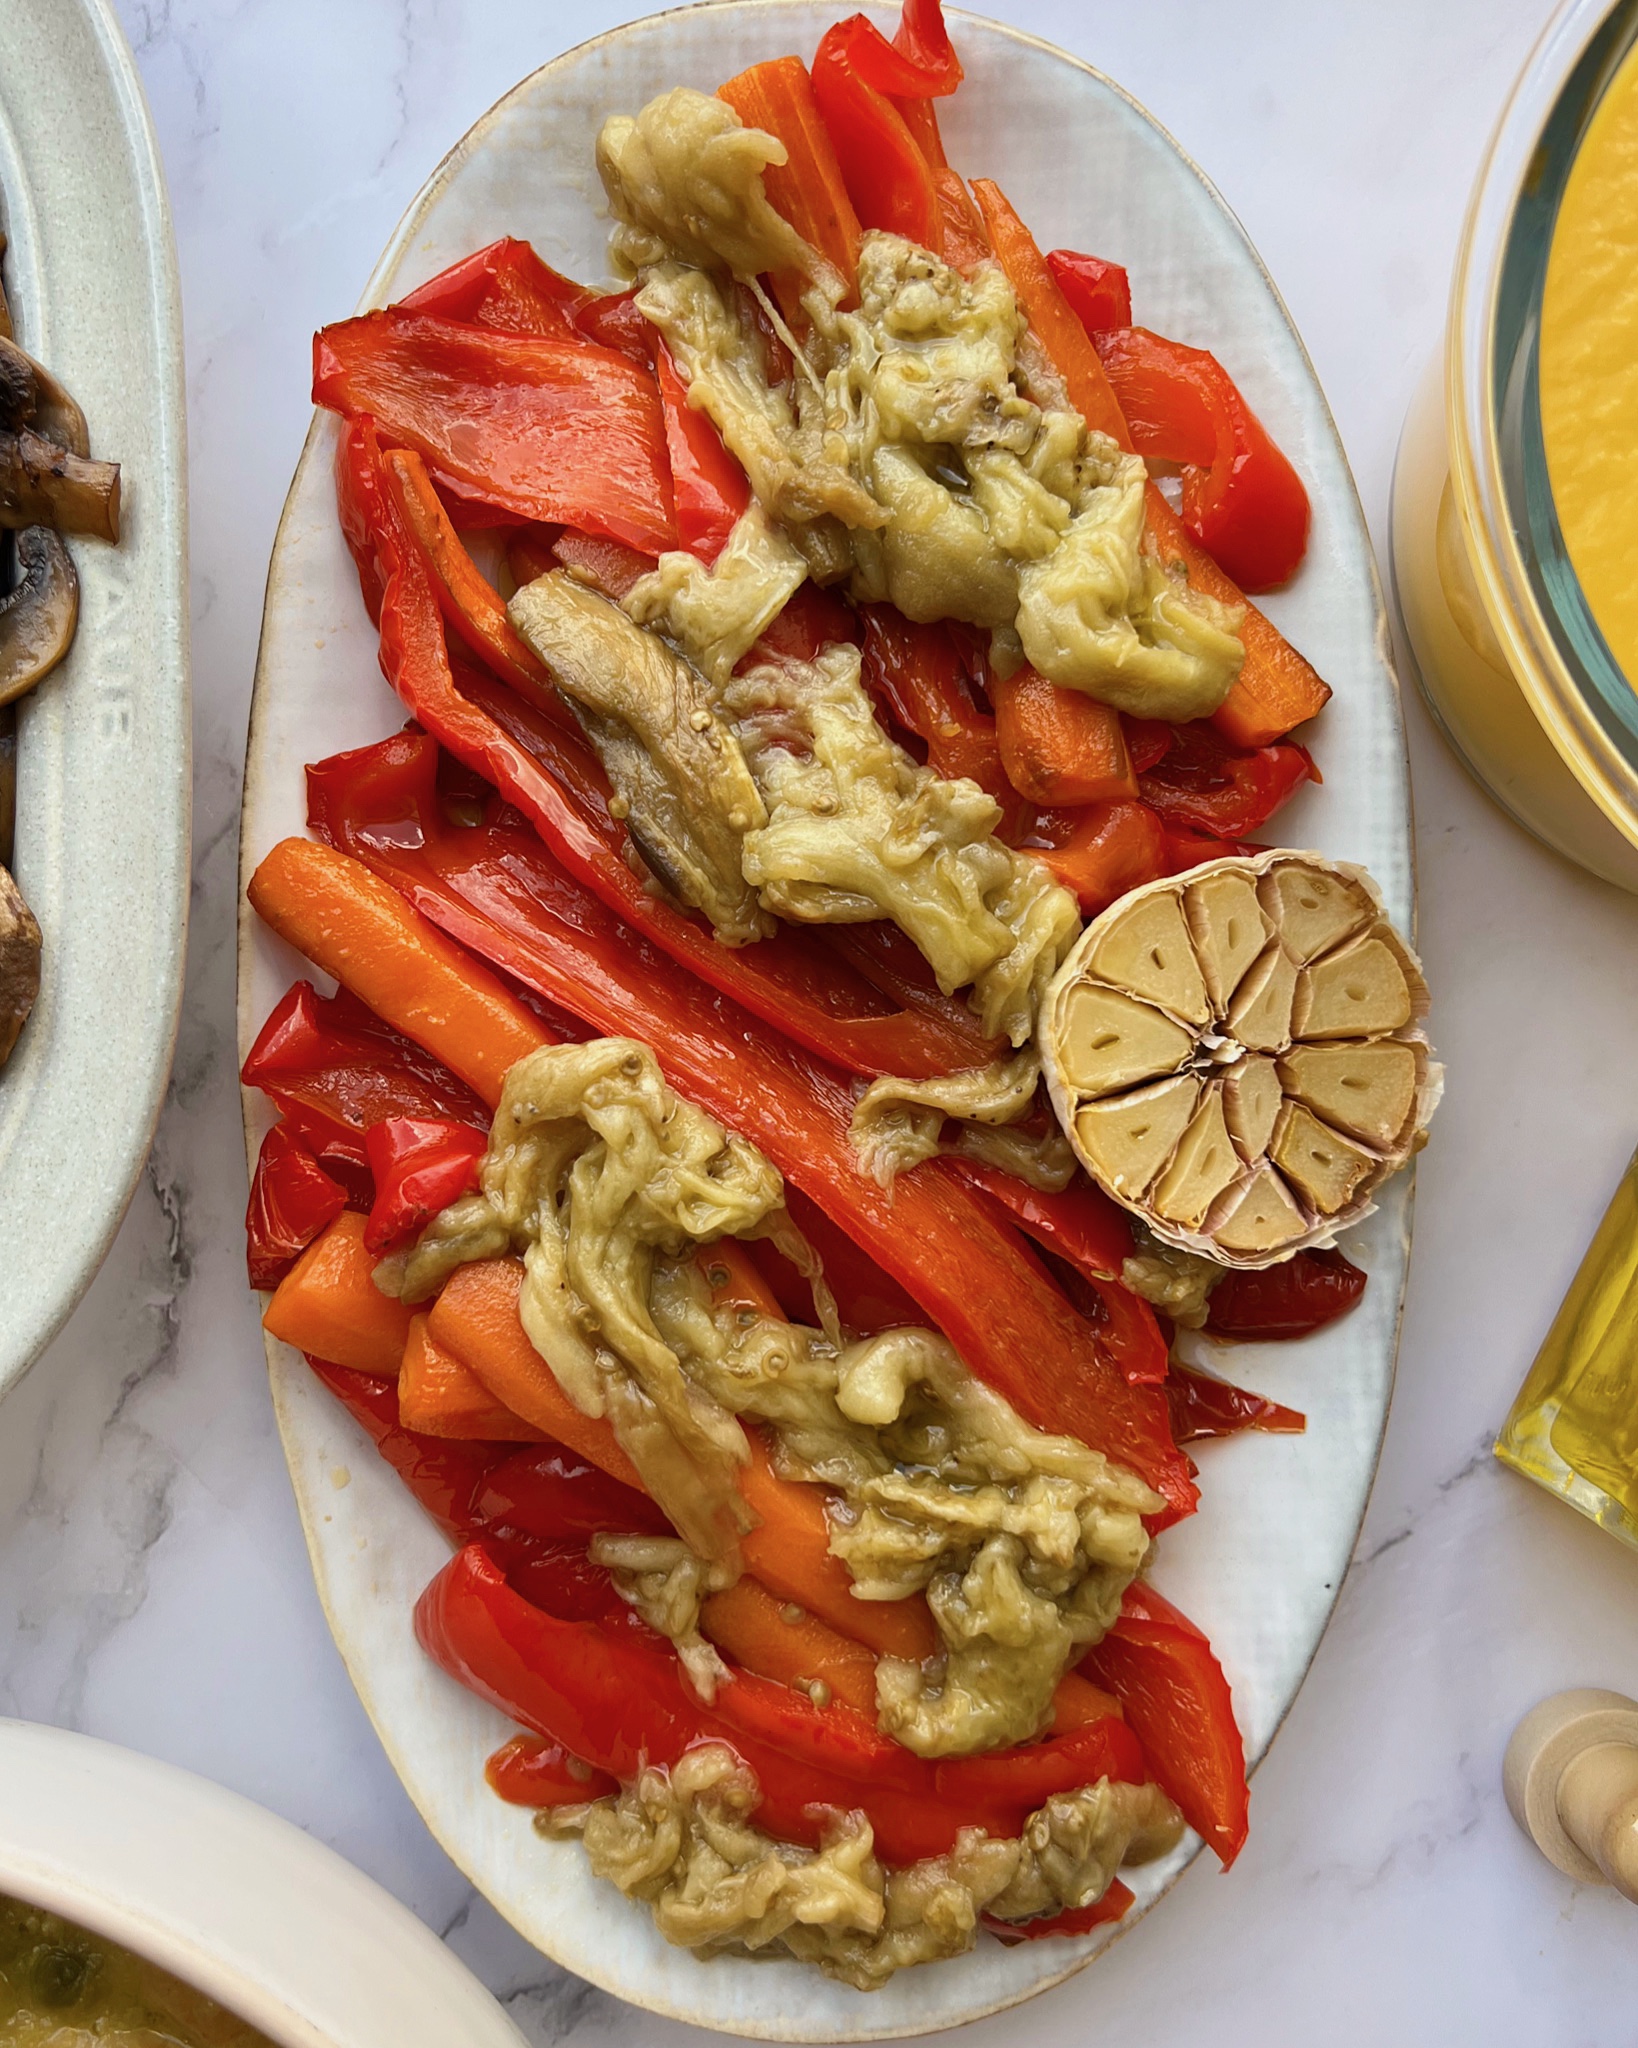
(42, 484)
(31, 397)
(38, 617)
(19, 963)
(8, 781)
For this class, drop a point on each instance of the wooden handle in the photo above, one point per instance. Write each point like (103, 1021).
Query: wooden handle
(1571, 1778)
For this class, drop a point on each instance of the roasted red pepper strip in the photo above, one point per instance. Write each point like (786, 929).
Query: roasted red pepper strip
(1100, 851)
(420, 1166)
(1176, 1699)
(888, 178)
(1079, 1223)
(292, 1199)
(542, 428)
(919, 63)
(1187, 849)
(615, 1697)
(968, 1271)
(917, 673)
(552, 1492)
(505, 286)
(1203, 1406)
(1031, 1775)
(791, 980)
(1289, 1300)
(1242, 500)
(1100, 293)
(613, 321)
(1203, 784)
(530, 1771)
(796, 978)
(470, 604)
(812, 619)
(446, 1477)
(708, 486)
(867, 1299)
(329, 1056)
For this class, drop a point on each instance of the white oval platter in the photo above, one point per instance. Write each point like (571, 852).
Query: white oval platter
(230, 1898)
(1261, 1565)
(103, 756)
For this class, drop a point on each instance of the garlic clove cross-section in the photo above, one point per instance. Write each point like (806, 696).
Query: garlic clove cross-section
(1237, 1054)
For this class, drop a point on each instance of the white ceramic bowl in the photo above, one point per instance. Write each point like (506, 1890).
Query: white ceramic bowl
(103, 766)
(228, 1897)
(1261, 1565)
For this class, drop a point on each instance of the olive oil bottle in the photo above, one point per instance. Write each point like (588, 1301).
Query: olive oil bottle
(1574, 1426)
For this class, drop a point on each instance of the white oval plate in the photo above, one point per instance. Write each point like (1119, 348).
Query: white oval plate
(1260, 1566)
(225, 1895)
(103, 774)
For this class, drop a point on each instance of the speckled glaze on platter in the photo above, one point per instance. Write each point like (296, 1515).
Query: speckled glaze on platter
(103, 757)
(1261, 1564)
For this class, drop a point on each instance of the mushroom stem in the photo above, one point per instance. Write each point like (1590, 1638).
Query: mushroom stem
(39, 614)
(44, 485)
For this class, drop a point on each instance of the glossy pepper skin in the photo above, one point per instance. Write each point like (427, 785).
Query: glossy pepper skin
(420, 1165)
(1242, 500)
(1293, 1299)
(506, 286)
(335, 1069)
(1100, 293)
(1100, 851)
(1204, 1407)
(534, 426)
(615, 1697)
(916, 674)
(1203, 784)
(292, 1199)
(496, 890)
(447, 1476)
(888, 177)
(550, 1491)
(709, 489)
(530, 1771)
(1177, 1702)
(793, 980)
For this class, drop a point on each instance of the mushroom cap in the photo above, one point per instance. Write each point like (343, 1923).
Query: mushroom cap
(19, 963)
(1237, 1055)
(38, 616)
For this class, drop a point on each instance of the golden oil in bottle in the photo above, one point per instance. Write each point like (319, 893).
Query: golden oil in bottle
(1574, 1426)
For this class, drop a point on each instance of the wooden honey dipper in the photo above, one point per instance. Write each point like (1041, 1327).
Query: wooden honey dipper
(1571, 1778)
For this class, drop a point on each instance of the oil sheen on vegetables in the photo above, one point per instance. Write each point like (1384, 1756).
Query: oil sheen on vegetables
(1589, 365)
(61, 1987)
(1574, 1426)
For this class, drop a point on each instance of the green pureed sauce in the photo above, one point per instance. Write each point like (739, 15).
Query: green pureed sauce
(61, 1987)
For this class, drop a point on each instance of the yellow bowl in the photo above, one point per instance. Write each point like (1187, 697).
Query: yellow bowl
(1509, 658)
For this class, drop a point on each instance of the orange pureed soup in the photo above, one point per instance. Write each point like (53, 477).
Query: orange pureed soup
(1589, 366)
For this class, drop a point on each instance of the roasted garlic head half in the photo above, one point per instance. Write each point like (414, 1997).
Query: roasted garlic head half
(1237, 1054)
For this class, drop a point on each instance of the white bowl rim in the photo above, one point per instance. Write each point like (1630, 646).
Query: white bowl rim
(230, 1898)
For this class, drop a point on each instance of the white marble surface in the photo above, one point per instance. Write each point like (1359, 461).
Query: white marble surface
(153, 1587)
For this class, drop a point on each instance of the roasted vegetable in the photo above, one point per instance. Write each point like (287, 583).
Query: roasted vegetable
(19, 963)
(1237, 1054)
